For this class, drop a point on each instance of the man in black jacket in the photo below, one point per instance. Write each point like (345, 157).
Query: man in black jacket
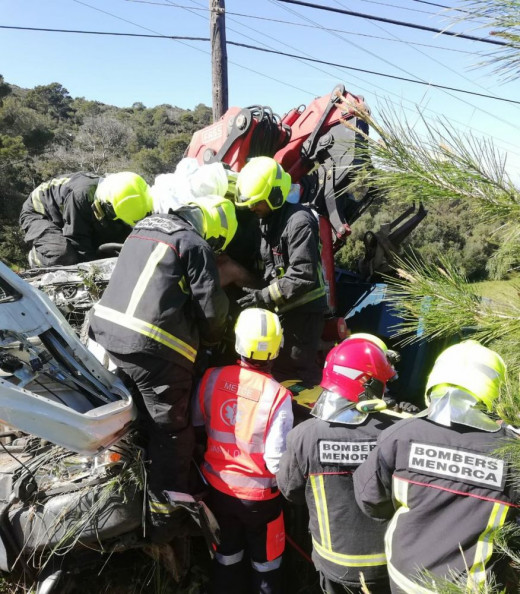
(164, 297)
(292, 267)
(438, 479)
(67, 218)
(321, 455)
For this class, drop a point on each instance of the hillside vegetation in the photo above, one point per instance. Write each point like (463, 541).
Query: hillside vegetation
(45, 132)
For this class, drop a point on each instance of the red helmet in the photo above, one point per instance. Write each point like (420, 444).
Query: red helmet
(355, 367)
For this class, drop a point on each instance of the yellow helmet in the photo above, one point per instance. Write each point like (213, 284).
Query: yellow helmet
(392, 356)
(262, 178)
(258, 334)
(471, 367)
(371, 338)
(124, 196)
(219, 220)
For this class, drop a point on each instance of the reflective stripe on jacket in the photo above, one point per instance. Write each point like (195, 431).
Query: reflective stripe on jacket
(445, 493)
(238, 404)
(163, 292)
(317, 468)
(64, 205)
(291, 255)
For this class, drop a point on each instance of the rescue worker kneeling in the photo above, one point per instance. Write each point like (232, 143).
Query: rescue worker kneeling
(323, 452)
(247, 415)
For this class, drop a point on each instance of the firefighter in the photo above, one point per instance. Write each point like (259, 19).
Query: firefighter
(66, 219)
(437, 479)
(163, 298)
(292, 267)
(247, 415)
(322, 454)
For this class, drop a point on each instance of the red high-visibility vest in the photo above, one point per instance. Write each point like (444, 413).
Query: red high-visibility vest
(238, 404)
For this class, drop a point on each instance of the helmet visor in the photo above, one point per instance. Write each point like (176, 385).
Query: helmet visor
(334, 408)
(451, 405)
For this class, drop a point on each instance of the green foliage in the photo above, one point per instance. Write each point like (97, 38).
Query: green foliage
(45, 132)
(501, 19)
(5, 89)
(53, 100)
(12, 247)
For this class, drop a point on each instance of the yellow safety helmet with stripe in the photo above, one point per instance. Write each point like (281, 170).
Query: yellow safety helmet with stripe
(262, 178)
(124, 196)
(469, 366)
(258, 334)
(219, 220)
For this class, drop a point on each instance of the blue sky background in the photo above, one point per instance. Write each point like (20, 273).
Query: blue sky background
(124, 70)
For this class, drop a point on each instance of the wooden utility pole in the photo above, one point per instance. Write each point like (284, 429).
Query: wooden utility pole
(218, 58)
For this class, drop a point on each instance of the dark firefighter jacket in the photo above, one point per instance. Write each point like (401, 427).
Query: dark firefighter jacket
(443, 492)
(163, 294)
(291, 255)
(64, 205)
(317, 466)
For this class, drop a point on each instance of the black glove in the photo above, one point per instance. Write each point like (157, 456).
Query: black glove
(389, 400)
(408, 407)
(252, 298)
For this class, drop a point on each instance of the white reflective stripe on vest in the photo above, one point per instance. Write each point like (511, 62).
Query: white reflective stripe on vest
(142, 327)
(229, 559)
(210, 388)
(400, 492)
(229, 437)
(221, 436)
(263, 412)
(144, 278)
(349, 560)
(239, 480)
(320, 501)
(477, 572)
(267, 565)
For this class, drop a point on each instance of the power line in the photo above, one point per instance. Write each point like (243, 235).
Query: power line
(427, 55)
(270, 51)
(292, 23)
(410, 80)
(400, 7)
(395, 22)
(316, 24)
(416, 79)
(158, 36)
(198, 49)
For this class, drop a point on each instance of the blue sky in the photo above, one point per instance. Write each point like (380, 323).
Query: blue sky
(124, 70)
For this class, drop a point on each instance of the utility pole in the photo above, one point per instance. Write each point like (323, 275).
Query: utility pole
(219, 75)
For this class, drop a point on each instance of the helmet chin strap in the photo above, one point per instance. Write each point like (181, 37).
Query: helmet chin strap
(458, 406)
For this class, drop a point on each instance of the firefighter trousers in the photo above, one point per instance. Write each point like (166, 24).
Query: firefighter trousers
(252, 539)
(301, 339)
(330, 587)
(162, 395)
